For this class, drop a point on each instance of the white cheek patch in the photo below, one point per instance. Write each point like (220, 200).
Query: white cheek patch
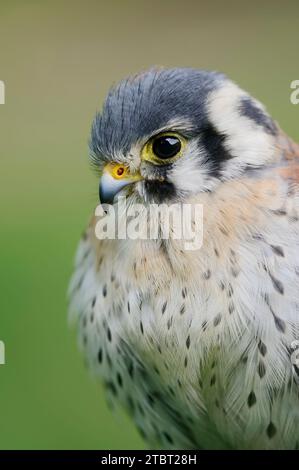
(246, 141)
(190, 173)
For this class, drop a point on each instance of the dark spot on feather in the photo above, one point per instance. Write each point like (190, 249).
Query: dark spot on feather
(251, 400)
(261, 369)
(271, 430)
(223, 231)
(258, 237)
(100, 261)
(150, 399)
(262, 348)
(217, 319)
(168, 437)
(279, 323)
(104, 290)
(278, 250)
(207, 274)
(278, 286)
(235, 272)
(279, 212)
(231, 308)
(188, 341)
(109, 336)
(100, 356)
(233, 257)
(130, 368)
(111, 387)
(109, 360)
(119, 379)
(230, 290)
(164, 307)
(80, 282)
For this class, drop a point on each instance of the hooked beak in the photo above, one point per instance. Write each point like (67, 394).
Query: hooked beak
(114, 178)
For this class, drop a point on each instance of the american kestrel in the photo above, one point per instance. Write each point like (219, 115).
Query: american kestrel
(197, 345)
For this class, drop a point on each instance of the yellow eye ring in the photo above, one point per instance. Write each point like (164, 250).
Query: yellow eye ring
(163, 148)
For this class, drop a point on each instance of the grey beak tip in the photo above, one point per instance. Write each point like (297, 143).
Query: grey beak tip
(106, 197)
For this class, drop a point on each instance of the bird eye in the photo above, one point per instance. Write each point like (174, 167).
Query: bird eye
(166, 146)
(163, 147)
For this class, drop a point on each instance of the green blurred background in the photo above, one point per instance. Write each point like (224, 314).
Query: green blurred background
(58, 59)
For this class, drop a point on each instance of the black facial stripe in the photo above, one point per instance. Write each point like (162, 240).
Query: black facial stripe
(160, 191)
(213, 143)
(250, 110)
(157, 172)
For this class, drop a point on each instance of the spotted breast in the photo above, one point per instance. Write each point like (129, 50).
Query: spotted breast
(197, 345)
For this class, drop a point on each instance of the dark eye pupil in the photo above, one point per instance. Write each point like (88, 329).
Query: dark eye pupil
(166, 147)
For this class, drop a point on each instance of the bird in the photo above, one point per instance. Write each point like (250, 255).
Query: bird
(195, 345)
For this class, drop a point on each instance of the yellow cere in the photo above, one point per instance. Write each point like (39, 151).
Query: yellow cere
(120, 171)
(117, 170)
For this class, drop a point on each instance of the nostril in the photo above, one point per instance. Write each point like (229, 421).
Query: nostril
(120, 171)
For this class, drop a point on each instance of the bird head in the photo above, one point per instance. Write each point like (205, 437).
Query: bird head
(167, 134)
